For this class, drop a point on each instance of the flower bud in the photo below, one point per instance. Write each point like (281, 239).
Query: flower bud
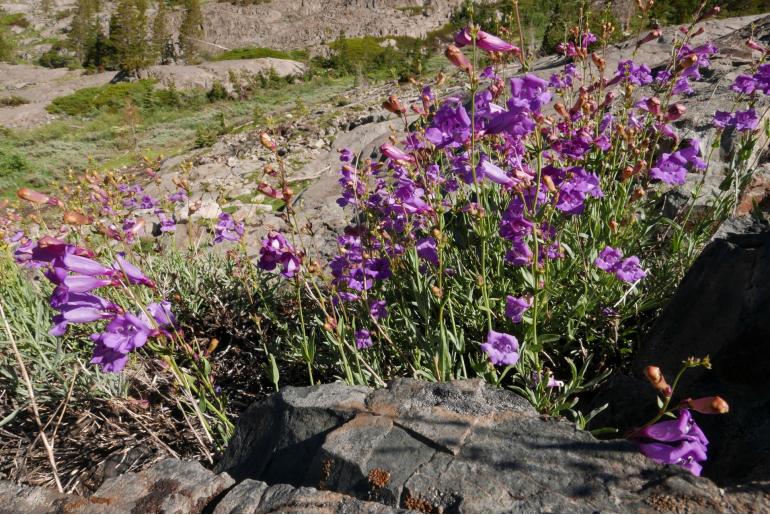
(267, 141)
(440, 78)
(212, 345)
(36, 197)
(269, 191)
(709, 405)
(393, 105)
(675, 111)
(598, 61)
(655, 34)
(656, 379)
(688, 61)
(754, 45)
(457, 58)
(75, 218)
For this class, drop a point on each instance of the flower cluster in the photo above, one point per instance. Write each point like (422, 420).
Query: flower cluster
(276, 251)
(628, 269)
(76, 276)
(227, 229)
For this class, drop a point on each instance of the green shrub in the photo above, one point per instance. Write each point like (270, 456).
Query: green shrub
(369, 57)
(217, 92)
(12, 101)
(112, 98)
(12, 166)
(260, 52)
(56, 57)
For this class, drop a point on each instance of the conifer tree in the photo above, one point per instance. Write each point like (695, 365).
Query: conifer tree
(128, 35)
(191, 30)
(163, 47)
(84, 28)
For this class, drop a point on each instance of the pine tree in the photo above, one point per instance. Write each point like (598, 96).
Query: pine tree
(128, 34)
(84, 28)
(163, 47)
(191, 30)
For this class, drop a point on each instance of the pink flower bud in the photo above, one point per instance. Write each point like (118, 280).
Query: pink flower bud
(709, 405)
(656, 379)
(754, 45)
(675, 111)
(457, 58)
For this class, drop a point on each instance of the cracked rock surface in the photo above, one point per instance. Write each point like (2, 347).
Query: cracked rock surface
(456, 447)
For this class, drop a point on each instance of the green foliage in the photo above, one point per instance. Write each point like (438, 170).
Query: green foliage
(12, 164)
(375, 57)
(128, 36)
(163, 46)
(58, 57)
(84, 29)
(7, 44)
(260, 52)
(112, 98)
(217, 92)
(191, 30)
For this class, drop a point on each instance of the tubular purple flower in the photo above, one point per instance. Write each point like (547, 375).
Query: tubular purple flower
(83, 265)
(485, 41)
(515, 307)
(378, 309)
(131, 272)
(487, 169)
(629, 270)
(502, 348)
(395, 153)
(84, 283)
(608, 260)
(363, 339)
(675, 442)
(427, 249)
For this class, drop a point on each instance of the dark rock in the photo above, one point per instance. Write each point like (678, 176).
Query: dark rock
(257, 497)
(292, 426)
(721, 310)
(459, 447)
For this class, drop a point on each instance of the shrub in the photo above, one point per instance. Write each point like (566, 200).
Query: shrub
(259, 52)
(12, 166)
(12, 101)
(217, 92)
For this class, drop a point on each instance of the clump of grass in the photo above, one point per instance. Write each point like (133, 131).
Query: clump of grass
(13, 101)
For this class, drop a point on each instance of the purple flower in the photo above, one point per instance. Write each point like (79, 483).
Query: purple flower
(148, 202)
(227, 229)
(427, 249)
(83, 265)
(574, 191)
(502, 348)
(124, 333)
(450, 126)
(395, 153)
(487, 169)
(131, 272)
(484, 41)
(346, 155)
(515, 307)
(84, 283)
(276, 251)
(630, 270)
(744, 84)
(179, 196)
(675, 442)
(520, 254)
(109, 359)
(378, 309)
(638, 75)
(741, 120)
(611, 261)
(161, 312)
(167, 224)
(363, 339)
(608, 259)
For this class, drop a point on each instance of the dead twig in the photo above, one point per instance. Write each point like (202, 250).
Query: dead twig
(33, 401)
